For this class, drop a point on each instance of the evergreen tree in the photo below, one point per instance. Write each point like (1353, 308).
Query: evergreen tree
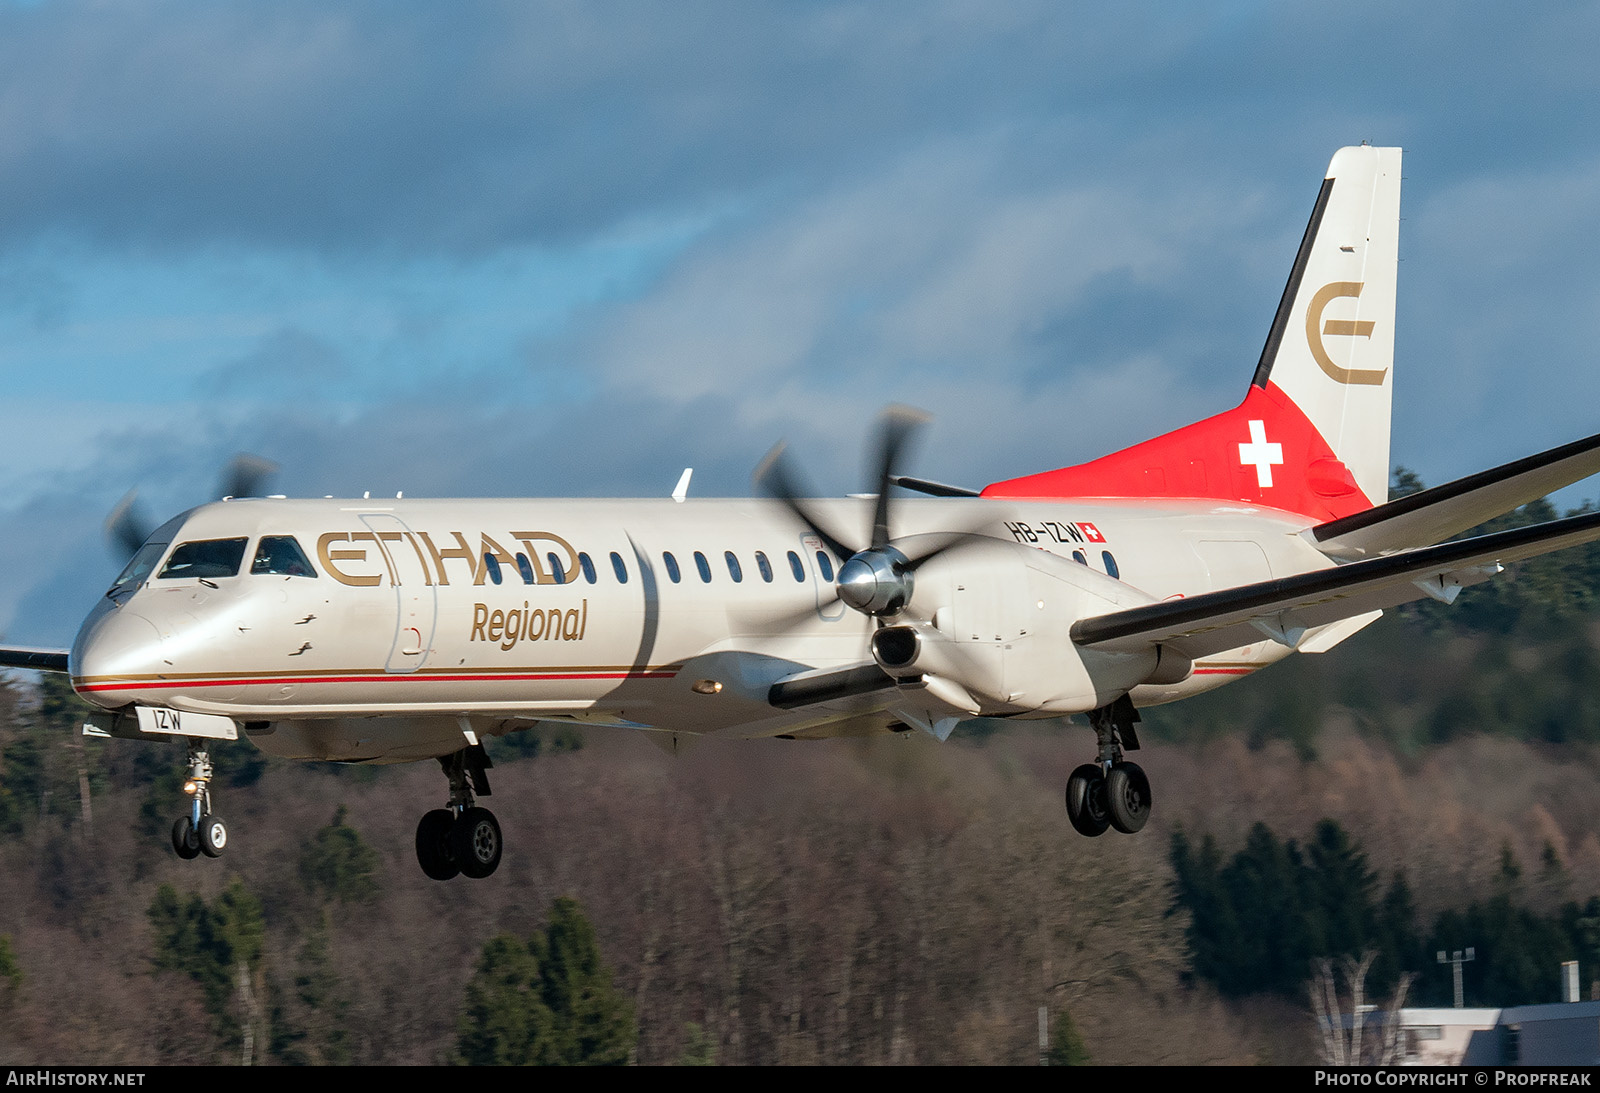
(505, 1021)
(1066, 1043)
(210, 944)
(593, 1020)
(549, 1001)
(339, 863)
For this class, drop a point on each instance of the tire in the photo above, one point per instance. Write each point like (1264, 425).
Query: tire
(433, 835)
(185, 840)
(1128, 797)
(1086, 801)
(213, 836)
(475, 843)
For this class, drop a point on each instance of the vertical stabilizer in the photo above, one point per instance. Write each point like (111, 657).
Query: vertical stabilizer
(1312, 435)
(1331, 348)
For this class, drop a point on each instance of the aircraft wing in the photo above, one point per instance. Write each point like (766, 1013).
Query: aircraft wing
(40, 660)
(1285, 608)
(1432, 516)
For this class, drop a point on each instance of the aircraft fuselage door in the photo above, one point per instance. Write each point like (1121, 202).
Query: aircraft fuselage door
(826, 590)
(416, 603)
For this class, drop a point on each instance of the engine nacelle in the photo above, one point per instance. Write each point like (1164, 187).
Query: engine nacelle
(997, 641)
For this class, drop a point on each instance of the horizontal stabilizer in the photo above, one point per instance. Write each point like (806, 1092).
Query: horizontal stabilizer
(1286, 608)
(1432, 516)
(930, 487)
(40, 660)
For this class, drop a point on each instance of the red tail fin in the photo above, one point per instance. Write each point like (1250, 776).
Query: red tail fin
(1312, 435)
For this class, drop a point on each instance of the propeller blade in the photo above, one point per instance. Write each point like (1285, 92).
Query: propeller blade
(126, 526)
(247, 475)
(898, 424)
(774, 477)
(933, 544)
(765, 622)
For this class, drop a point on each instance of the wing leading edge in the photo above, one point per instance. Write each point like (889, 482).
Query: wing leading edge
(1285, 608)
(40, 660)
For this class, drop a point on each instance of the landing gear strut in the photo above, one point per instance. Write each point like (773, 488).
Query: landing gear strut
(462, 838)
(1110, 792)
(200, 830)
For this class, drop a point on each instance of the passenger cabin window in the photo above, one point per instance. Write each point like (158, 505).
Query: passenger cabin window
(205, 558)
(765, 567)
(525, 568)
(492, 565)
(796, 568)
(733, 566)
(703, 566)
(588, 568)
(1077, 556)
(672, 566)
(825, 566)
(1111, 564)
(558, 574)
(138, 568)
(618, 568)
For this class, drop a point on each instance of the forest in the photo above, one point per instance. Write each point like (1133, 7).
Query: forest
(1433, 783)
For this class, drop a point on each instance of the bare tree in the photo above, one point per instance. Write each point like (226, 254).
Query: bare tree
(1342, 1043)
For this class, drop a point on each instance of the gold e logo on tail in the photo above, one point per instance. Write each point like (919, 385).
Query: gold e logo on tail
(1316, 330)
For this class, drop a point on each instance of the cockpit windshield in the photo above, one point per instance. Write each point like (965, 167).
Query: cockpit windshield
(137, 571)
(205, 558)
(281, 554)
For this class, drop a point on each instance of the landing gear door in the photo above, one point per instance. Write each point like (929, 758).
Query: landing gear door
(416, 601)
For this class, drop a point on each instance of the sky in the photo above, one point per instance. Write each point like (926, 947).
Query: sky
(570, 248)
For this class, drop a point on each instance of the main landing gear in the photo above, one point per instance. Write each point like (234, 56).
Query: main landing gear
(1110, 792)
(201, 831)
(462, 838)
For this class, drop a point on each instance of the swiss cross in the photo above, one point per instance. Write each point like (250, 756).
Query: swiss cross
(1091, 533)
(1259, 454)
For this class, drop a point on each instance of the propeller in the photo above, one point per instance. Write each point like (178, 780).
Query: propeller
(128, 526)
(877, 578)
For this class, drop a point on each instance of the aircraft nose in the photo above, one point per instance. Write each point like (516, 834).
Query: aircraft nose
(113, 649)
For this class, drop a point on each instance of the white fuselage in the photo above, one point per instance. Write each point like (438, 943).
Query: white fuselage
(426, 617)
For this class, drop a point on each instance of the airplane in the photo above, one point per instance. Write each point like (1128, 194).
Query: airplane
(392, 631)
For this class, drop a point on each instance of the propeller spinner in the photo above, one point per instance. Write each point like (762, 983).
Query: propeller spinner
(878, 578)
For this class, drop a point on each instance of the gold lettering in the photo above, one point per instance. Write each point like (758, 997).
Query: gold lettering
(461, 551)
(427, 575)
(369, 537)
(329, 557)
(480, 615)
(1350, 328)
(569, 569)
(569, 629)
(490, 547)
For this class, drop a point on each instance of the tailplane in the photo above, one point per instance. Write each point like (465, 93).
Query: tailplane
(1312, 435)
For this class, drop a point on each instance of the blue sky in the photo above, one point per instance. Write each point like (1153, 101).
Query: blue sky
(568, 249)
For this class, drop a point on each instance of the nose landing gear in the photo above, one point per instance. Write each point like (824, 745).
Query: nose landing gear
(200, 831)
(1110, 792)
(462, 838)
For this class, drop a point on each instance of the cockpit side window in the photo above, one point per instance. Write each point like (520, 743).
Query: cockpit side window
(139, 567)
(282, 554)
(204, 558)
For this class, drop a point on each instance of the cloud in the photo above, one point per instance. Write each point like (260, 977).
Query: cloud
(567, 249)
